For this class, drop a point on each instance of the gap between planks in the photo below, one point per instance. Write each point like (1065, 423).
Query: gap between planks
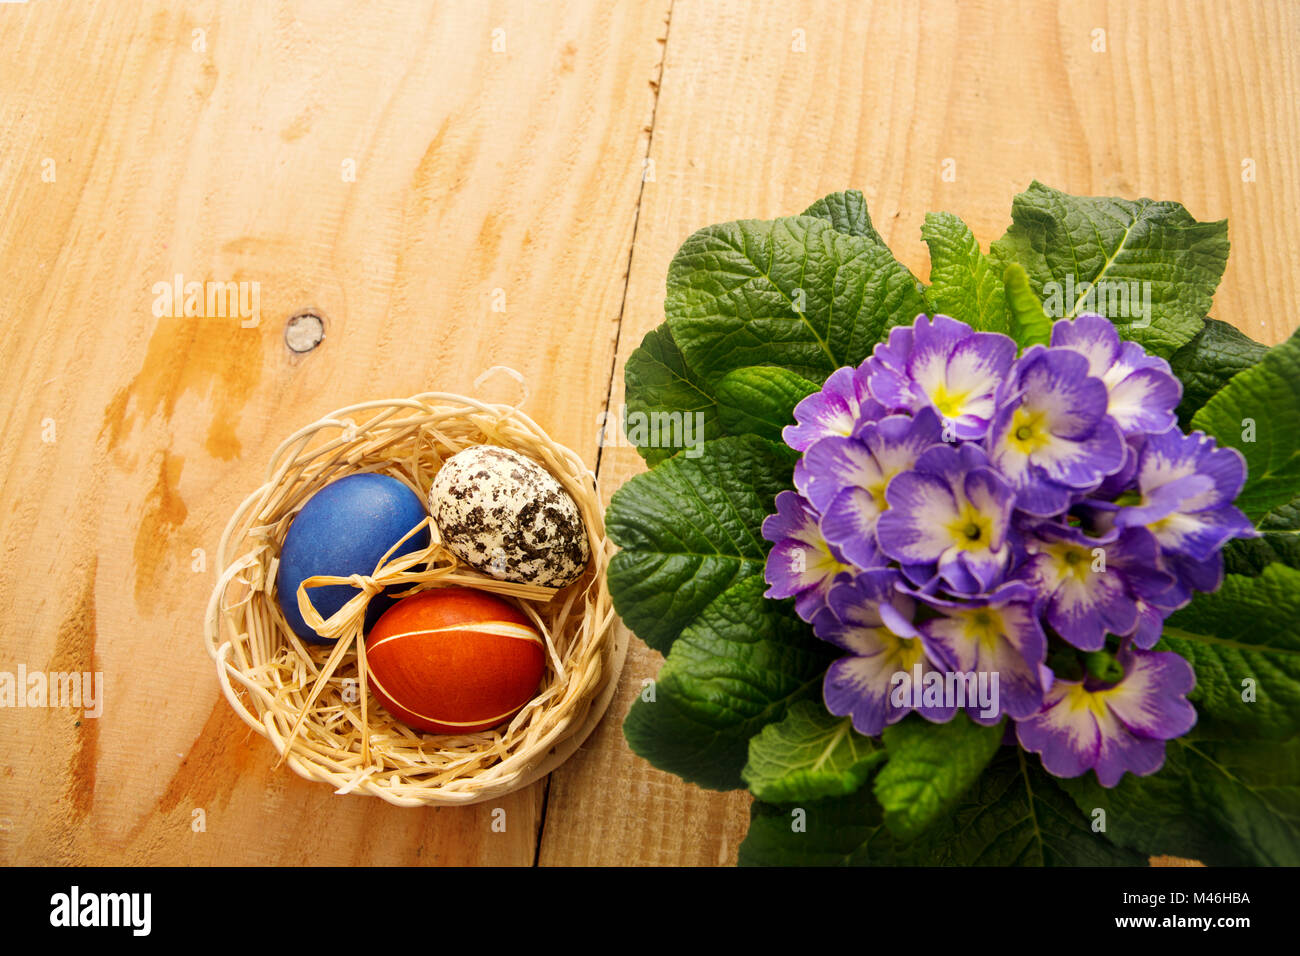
(618, 331)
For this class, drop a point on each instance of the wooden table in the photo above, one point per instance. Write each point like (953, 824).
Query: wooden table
(456, 186)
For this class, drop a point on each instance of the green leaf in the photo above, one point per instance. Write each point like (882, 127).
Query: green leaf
(1207, 363)
(1133, 247)
(1279, 541)
(792, 292)
(1027, 323)
(1014, 815)
(1262, 404)
(689, 529)
(760, 400)
(1250, 556)
(847, 213)
(809, 755)
(838, 831)
(964, 283)
(1226, 802)
(930, 767)
(660, 392)
(670, 409)
(738, 667)
(1244, 630)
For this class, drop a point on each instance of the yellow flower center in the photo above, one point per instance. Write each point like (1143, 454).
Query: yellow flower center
(1029, 430)
(1071, 560)
(877, 492)
(948, 403)
(985, 626)
(1078, 698)
(907, 651)
(971, 531)
(877, 488)
(824, 564)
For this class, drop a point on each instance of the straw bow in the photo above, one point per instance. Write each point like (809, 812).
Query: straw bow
(344, 625)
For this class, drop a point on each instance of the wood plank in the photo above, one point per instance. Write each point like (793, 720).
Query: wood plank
(748, 125)
(481, 176)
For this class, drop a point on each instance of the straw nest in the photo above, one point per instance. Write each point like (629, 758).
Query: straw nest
(313, 702)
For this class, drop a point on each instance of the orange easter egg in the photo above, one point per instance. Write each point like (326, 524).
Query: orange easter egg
(454, 660)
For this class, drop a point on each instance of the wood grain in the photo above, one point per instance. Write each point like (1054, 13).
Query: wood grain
(557, 176)
(482, 177)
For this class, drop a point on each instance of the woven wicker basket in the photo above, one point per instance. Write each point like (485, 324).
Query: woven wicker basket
(312, 702)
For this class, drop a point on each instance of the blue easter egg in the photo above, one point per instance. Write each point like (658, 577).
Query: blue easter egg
(345, 528)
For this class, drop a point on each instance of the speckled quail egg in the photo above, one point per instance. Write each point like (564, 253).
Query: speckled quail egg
(505, 515)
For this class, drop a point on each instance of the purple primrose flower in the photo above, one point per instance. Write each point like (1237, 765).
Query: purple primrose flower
(801, 565)
(1142, 392)
(871, 619)
(1052, 438)
(1091, 586)
(1187, 486)
(845, 478)
(999, 634)
(1085, 725)
(941, 364)
(837, 409)
(949, 515)
(962, 513)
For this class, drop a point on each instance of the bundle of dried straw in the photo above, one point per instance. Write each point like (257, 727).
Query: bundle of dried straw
(312, 702)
